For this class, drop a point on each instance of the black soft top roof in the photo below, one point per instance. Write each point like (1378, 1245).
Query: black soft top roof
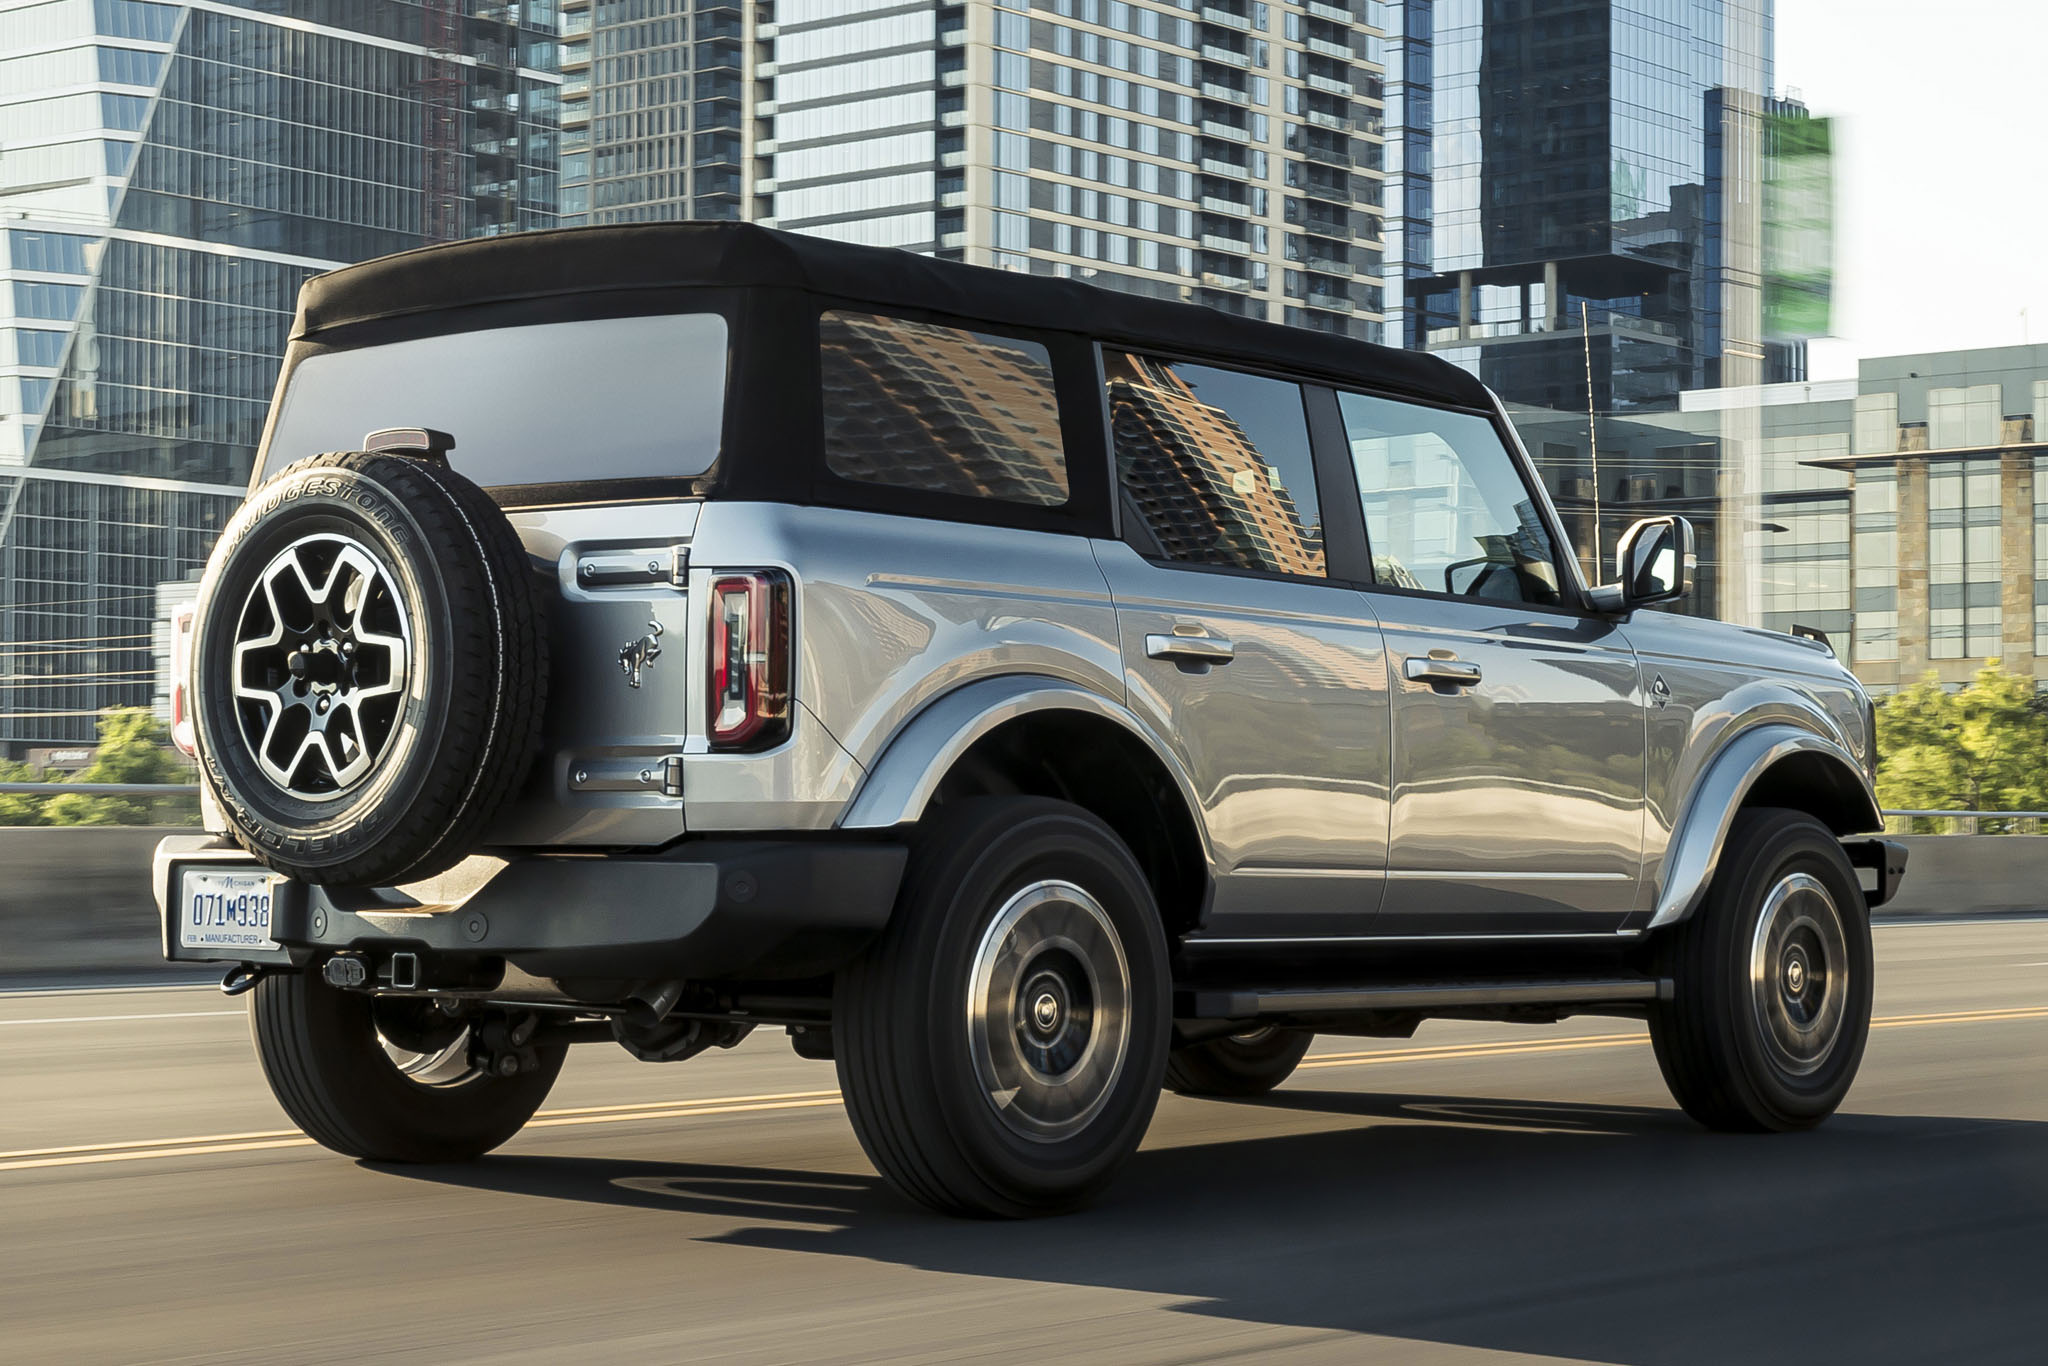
(575, 261)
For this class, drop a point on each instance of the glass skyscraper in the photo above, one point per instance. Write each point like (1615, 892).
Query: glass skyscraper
(169, 175)
(1574, 186)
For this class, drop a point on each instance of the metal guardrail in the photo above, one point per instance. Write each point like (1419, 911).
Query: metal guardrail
(1964, 822)
(99, 789)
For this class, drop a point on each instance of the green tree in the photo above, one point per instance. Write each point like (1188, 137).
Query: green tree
(20, 809)
(134, 748)
(1981, 748)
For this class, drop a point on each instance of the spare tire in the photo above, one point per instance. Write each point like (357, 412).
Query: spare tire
(370, 666)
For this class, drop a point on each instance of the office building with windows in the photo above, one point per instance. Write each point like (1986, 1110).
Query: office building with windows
(1903, 512)
(169, 175)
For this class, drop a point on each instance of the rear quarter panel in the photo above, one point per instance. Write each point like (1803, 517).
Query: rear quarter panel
(893, 612)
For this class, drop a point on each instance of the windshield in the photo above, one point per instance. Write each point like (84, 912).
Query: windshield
(598, 399)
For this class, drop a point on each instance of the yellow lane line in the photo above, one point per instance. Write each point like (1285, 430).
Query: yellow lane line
(200, 1145)
(564, 1115)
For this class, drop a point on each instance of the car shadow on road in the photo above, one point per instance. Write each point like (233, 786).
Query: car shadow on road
(1610, 1233)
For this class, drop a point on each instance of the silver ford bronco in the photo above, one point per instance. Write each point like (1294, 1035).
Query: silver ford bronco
(1025, 695)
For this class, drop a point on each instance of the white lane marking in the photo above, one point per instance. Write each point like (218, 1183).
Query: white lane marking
(104, 1019)
(116, 989)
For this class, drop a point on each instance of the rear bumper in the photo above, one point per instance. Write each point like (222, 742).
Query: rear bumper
(709, 911)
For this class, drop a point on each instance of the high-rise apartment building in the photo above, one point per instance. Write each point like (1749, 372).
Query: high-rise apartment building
(169, 175)
(1222, 151)
(654, 109)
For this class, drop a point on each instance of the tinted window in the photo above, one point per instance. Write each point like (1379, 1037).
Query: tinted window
(607, 398)
(1216, 464)
(939, 409)
(1445, 508)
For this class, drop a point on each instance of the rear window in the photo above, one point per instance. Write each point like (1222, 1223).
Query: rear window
(914, 405)
(574, 402)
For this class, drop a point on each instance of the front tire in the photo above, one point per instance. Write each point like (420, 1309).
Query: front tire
(1000, 1046)
(333, 1070)
(1247, 1064)
(1771, 981)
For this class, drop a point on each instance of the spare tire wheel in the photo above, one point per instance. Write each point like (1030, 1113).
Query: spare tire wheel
(370, 667)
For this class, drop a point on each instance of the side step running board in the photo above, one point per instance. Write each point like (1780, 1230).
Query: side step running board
(1249, 1005)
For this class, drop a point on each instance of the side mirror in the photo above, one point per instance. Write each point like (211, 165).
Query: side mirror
(1654, 563)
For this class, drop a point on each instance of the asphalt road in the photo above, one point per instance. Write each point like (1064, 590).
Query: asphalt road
(1475, 1193)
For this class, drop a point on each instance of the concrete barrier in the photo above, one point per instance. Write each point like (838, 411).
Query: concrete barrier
(1972, 875)
(75, 902)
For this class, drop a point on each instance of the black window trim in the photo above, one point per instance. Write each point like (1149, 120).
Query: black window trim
(1354, 555)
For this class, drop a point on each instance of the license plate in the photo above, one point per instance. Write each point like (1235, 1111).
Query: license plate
(225, 911)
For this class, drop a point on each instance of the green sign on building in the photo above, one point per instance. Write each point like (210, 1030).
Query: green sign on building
(1798, 215)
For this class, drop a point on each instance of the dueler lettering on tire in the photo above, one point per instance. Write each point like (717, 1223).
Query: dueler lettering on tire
(369, 668)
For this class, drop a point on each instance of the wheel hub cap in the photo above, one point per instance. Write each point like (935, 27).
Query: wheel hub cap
(1798, 972)
(1048, 1010)
(322, 652)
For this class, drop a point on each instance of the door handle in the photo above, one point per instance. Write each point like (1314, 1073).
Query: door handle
(1191, 649)
(1457, 673)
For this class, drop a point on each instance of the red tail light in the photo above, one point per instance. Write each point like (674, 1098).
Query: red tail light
(750, 649)
(181, 679)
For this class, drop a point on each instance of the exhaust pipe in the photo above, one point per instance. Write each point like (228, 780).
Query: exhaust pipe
(650, 1002)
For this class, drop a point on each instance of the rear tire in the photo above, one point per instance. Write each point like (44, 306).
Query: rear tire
(1249, 1064)
(321, 1052)
(1771, 981)
(1000, 1045)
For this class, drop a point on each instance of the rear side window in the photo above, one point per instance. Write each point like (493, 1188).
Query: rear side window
(1215, 464)
(915, 405)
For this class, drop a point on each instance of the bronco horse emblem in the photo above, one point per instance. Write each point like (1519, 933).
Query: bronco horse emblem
(640, 654)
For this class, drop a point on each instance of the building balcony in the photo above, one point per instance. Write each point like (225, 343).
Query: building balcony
(1211, 204)
(1228, 94)
(1216, 279)
(1329, 85)
(1328, 265)
(1216, 242)
(1336, 14)
(1213, 14)
(1334, 122)
(1317, 189)
(1211, 166)
(1214, 129)
(1324, 154)
(1323, 47)
(1335, 303)
(1228, 56)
